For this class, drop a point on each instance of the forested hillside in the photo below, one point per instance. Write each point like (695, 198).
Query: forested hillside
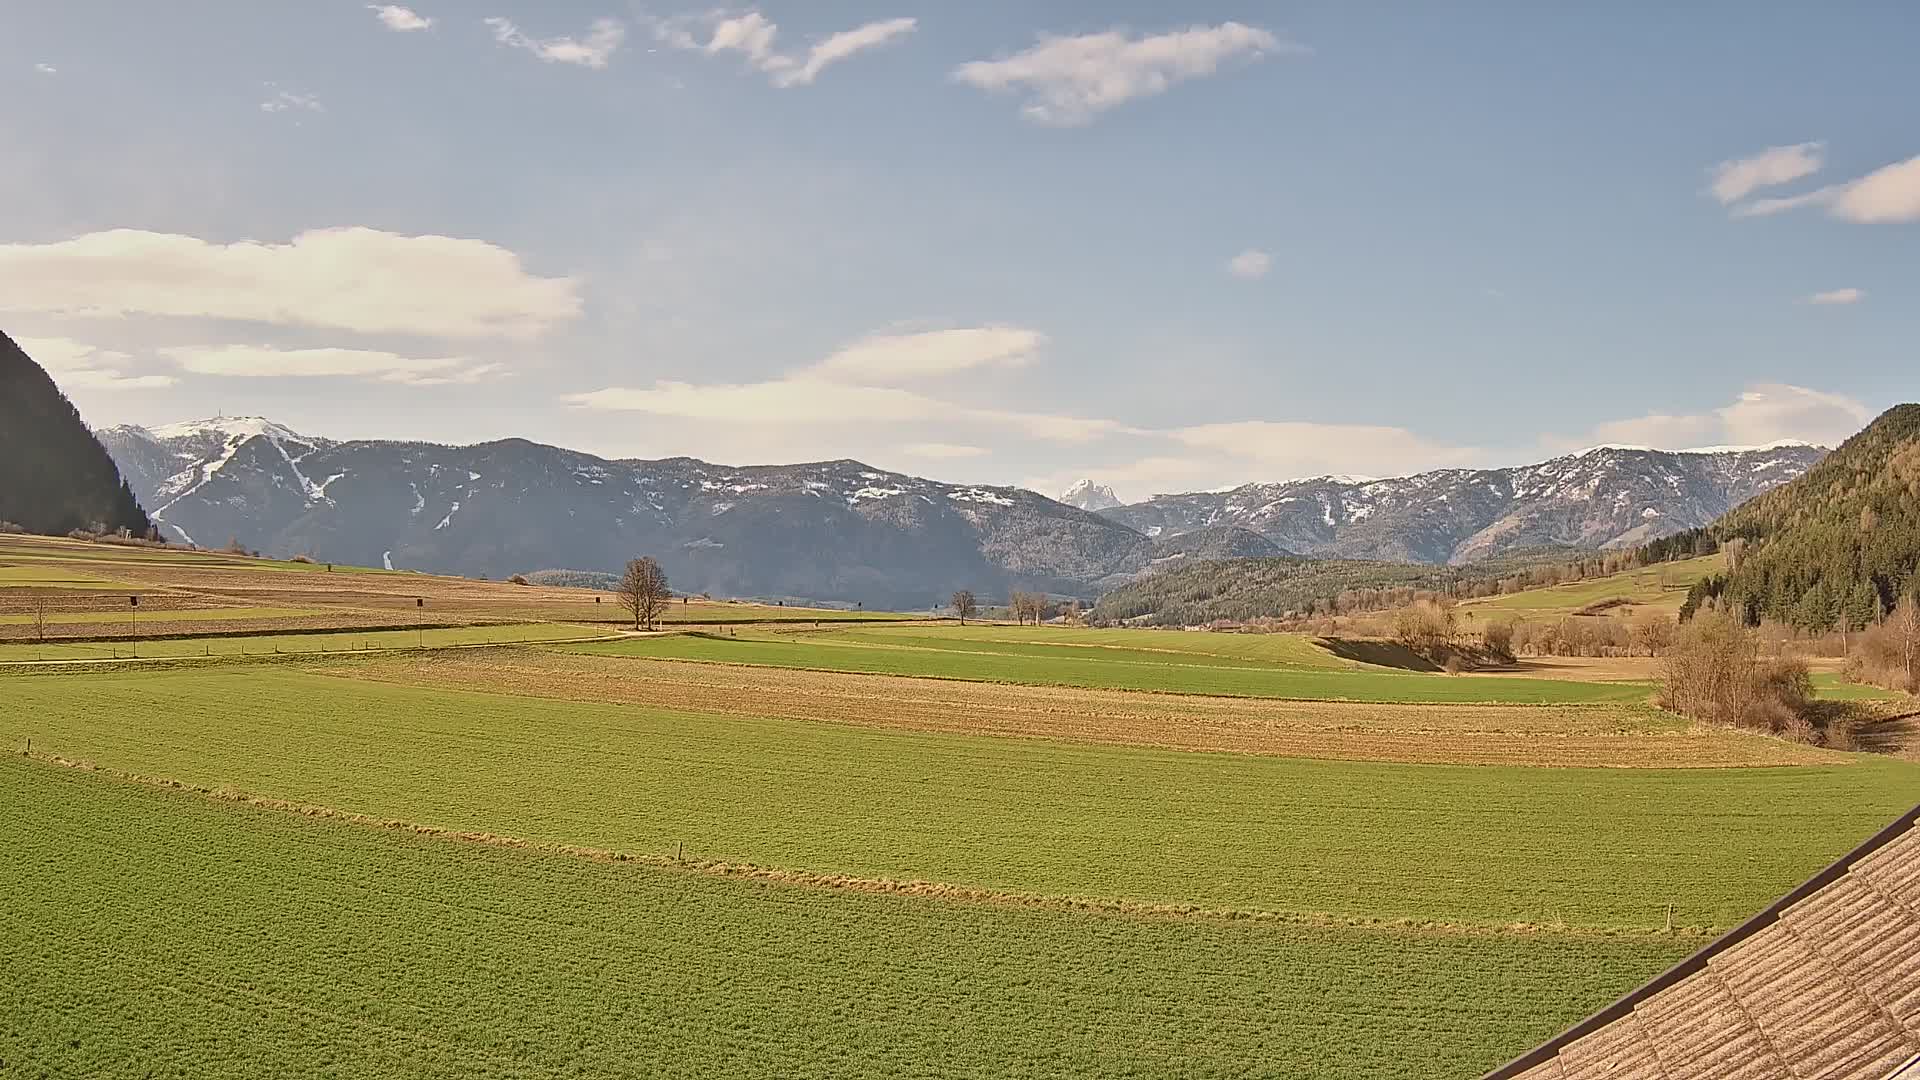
(1837, 547)
(54, 475)
(1240, 590)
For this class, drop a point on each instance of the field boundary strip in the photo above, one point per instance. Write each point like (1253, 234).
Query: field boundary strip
(847, 883)
(270, 657)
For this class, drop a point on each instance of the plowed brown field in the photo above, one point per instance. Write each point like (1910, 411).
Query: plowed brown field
(1604, 736)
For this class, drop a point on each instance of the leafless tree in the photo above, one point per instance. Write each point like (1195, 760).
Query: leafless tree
(1028, 605)
(1654, 634)
(964, 605)
(40, 620)
(643, 591)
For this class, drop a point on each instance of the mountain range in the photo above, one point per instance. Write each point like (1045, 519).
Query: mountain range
(842, 530)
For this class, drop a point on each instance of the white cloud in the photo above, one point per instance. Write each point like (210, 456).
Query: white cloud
(287, 101)
(602, 40)
(75, 365)
(1069, 80)
(943, 451)
(399, 19)
(1250, 264)
(809, 401)
(1736, 179)
(355, 279)
(46, 69)
(267, 362)
(884, 358)
(1888, 195)
(1837, 296)
(1764, 413)
(753, 36)
(1274, 450)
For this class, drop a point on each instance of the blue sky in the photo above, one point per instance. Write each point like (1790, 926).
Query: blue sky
(995, 242)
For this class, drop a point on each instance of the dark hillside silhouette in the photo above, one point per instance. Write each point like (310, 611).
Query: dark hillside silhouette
(55, 477)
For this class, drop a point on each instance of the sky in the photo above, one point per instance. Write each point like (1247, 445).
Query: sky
(996, 242)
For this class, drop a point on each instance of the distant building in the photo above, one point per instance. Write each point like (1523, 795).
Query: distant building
(1823, 984)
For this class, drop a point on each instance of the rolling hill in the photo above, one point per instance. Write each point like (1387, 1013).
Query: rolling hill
(54, 475)
(1838, 541)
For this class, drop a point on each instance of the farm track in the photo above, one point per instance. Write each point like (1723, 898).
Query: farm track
(1553, 735)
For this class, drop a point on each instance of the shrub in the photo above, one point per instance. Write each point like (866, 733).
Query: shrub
(308, 559)
(1889, 654)
(11, 527)
(1498, 638)
(1714, 672)
(1425, 628)
(518, 579)
(83, 534)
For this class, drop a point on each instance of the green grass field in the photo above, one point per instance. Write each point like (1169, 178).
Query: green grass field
(1660, 588)
(288, 644)
(930, 653)
(1459, 844)
(1840, 688)
(154, 933)
(40, 576)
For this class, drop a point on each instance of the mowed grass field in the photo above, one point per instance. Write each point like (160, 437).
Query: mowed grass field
(1468, 845)
(1114, 660)
(1657, 589)
(150, 933)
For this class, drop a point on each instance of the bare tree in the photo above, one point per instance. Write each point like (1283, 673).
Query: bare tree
(1903, 628)
(40, 620)
(964, 605)
(1028, 605)
(643, 591)
(1654, 634)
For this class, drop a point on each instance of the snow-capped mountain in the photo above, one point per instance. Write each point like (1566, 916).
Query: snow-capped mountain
(836, 530)
(1088, 495)
(1605, 497)
(841, 530)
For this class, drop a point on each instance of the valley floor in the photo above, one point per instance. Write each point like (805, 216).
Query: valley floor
(857, 850)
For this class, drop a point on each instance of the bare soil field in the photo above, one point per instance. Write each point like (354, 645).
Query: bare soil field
(1551, 735)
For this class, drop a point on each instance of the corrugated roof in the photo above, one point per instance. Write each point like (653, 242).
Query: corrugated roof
(1823, 984)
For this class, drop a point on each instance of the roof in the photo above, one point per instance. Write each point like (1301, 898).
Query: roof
(1823, 984)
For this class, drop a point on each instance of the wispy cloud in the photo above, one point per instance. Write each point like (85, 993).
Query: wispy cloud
(887, 358)
(1735, 179)
(1886, 196)
(593, 50)
(357, 279)
(1250, 264)
(288, 101)
(1070, 80)
(75, 365)
(943, 451)
(400, 19)
(267, 362)
(1837, 296)
(853, 386)
(754, 37)
(46, 69)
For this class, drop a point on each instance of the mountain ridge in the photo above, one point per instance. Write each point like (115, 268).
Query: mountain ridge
(844, 530)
